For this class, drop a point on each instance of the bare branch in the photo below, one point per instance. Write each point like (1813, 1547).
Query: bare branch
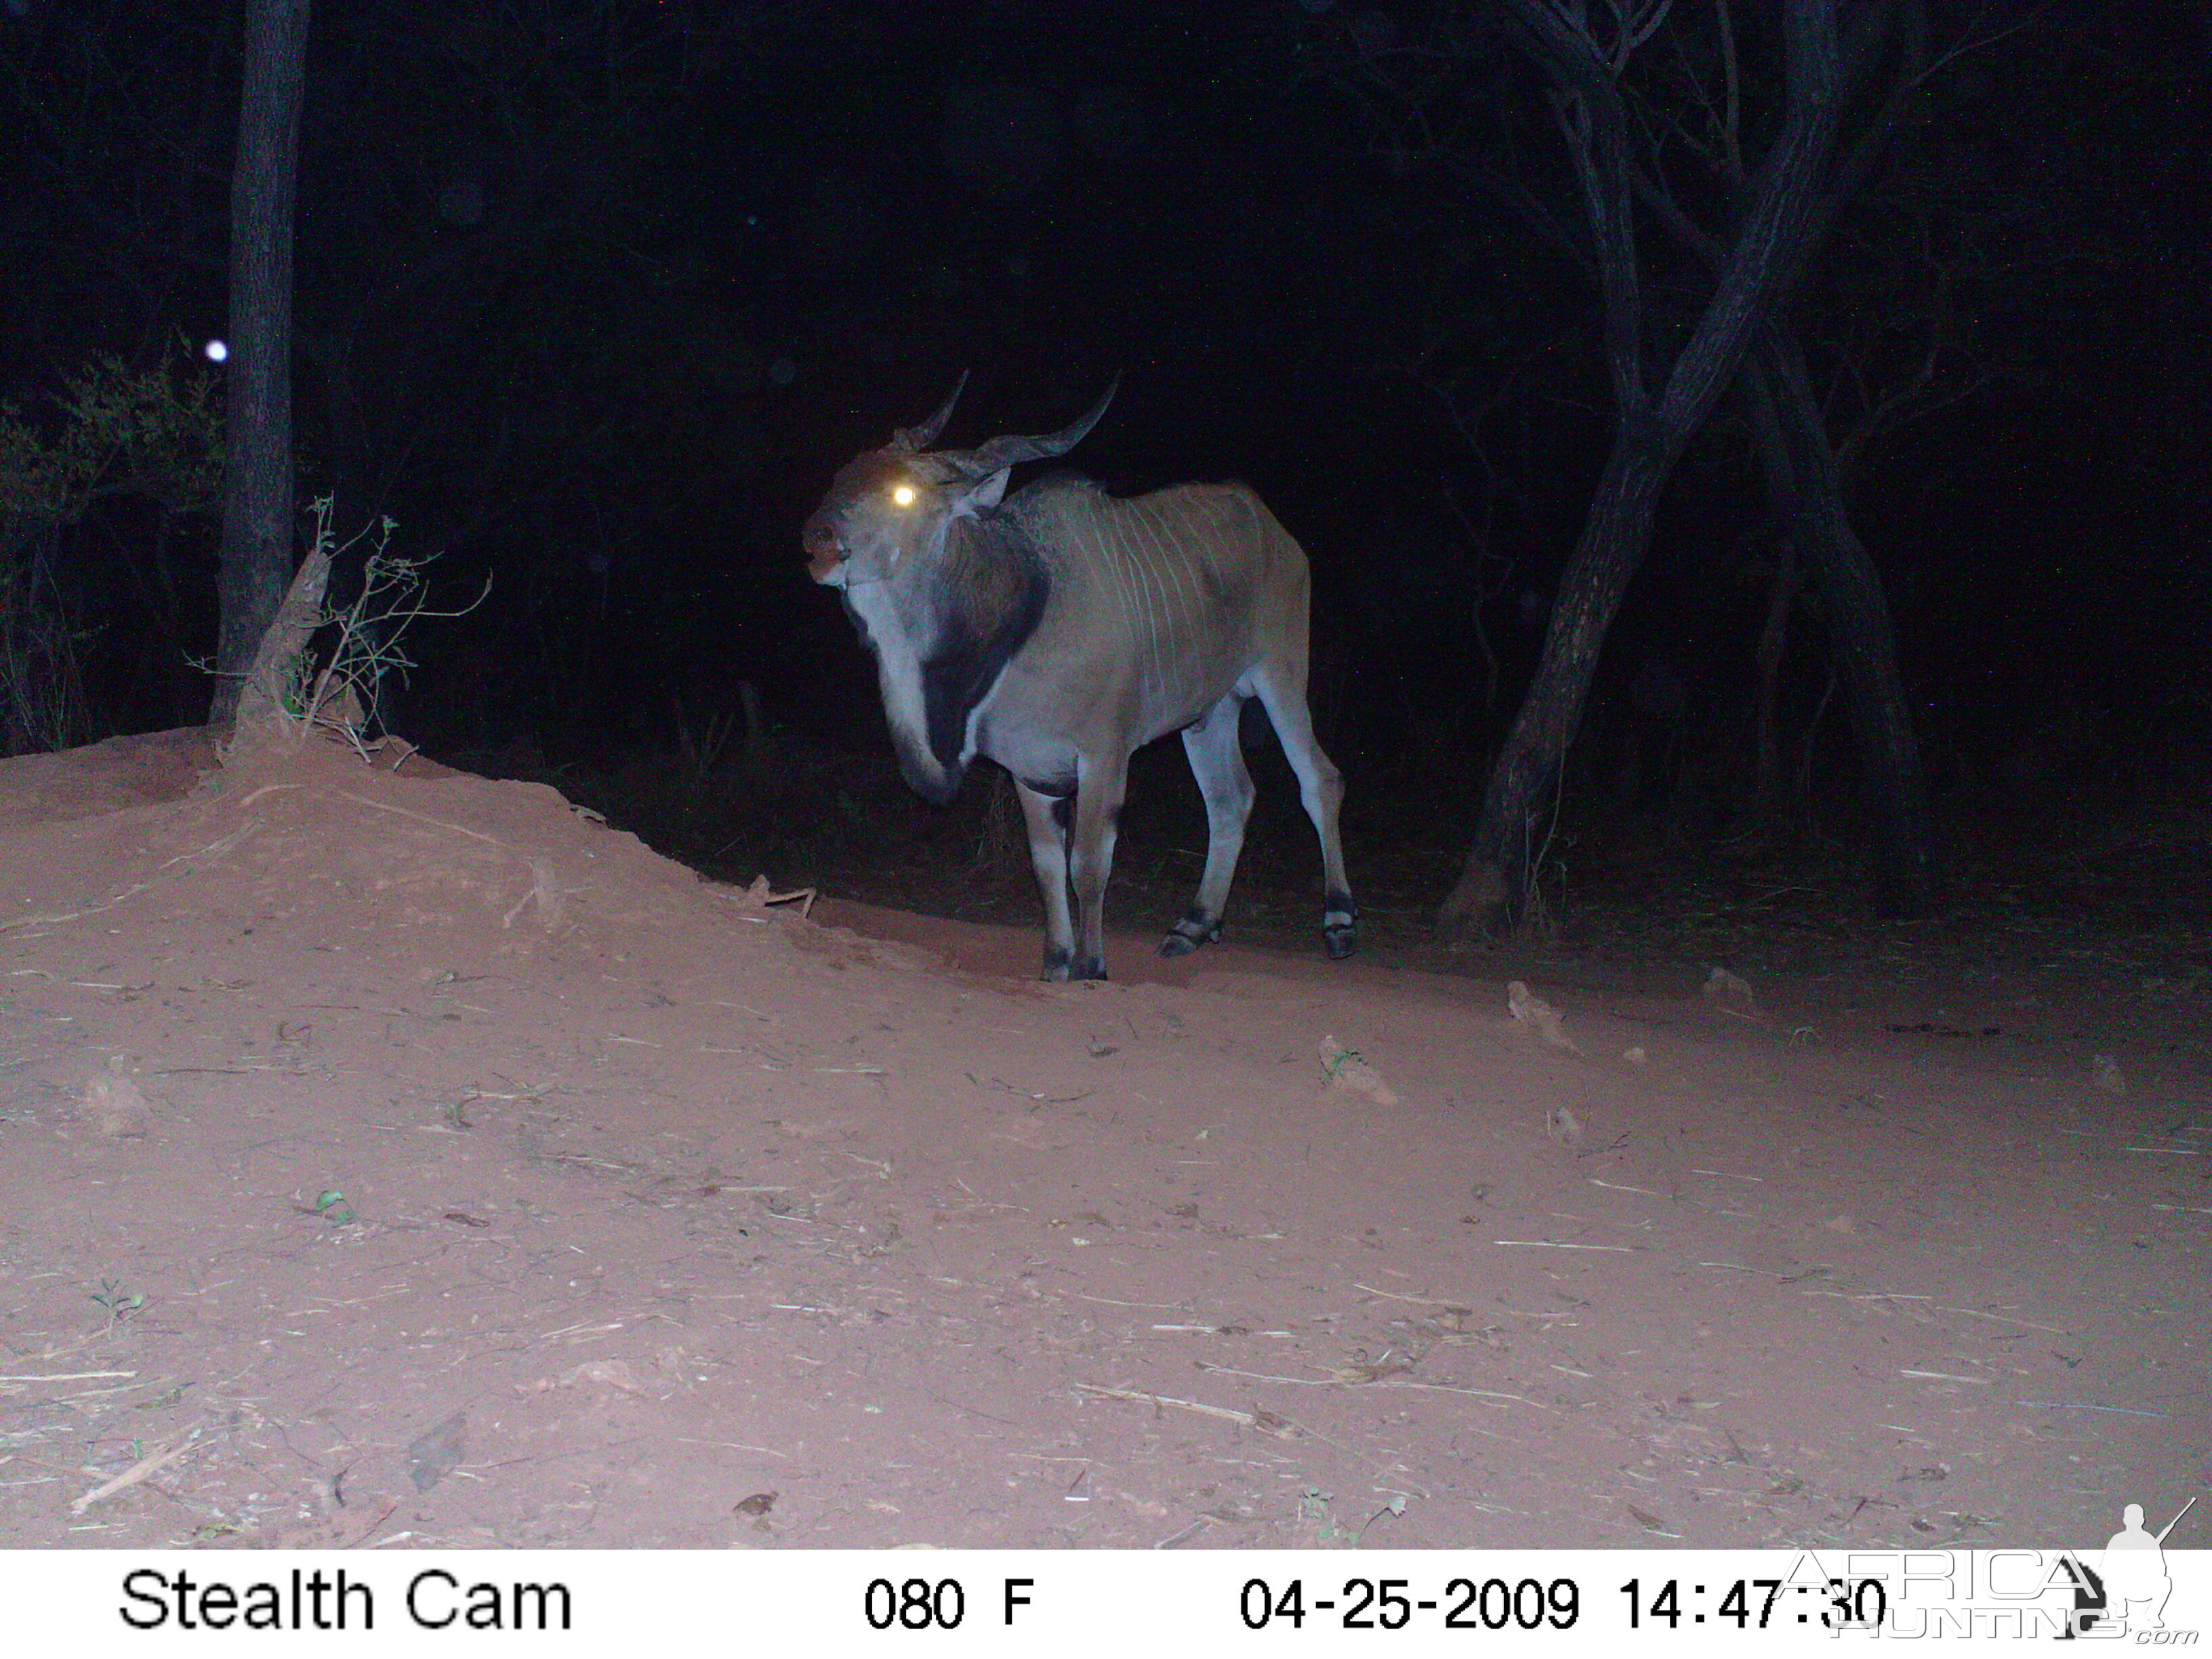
(1732, 74)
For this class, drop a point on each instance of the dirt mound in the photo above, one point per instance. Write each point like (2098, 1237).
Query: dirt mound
(104, 777)
(320, 839)
(320, 849)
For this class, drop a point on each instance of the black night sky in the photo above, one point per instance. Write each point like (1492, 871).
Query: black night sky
(594, 296)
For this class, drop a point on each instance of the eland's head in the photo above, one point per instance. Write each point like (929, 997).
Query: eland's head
(887, 513)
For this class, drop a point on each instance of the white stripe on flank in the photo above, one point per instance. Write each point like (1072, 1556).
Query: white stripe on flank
(1208, 543)
(1155, 560)
(1187, 582)
(1144, 636)
(1145, 631)
(1172, 599)
(1172, 577)
(1109, 559)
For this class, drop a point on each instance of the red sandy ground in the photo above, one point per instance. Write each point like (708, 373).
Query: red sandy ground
(671, 1219)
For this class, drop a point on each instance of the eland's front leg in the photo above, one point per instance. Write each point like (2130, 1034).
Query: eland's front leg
(1047, 817)
(1100, 784)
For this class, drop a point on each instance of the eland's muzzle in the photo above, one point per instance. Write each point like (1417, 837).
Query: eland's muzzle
(824, 552)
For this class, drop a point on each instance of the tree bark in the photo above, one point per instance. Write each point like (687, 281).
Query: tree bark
(264, 721)
(1500, 872)
(1773, 639)
(256, 557)
(1801, 463)
(1783, 211)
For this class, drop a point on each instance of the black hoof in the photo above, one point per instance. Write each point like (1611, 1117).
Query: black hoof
(1094, 969)
(1188, 934)
(1340, 925)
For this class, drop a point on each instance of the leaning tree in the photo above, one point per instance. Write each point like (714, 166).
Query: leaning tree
(1740, 144)
(1772, 222)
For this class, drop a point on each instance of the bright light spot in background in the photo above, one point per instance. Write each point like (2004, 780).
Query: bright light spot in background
(903, 494)
(216, 351)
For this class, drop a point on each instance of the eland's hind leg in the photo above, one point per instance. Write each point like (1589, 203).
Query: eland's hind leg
(1282, 689)
(1216, 761)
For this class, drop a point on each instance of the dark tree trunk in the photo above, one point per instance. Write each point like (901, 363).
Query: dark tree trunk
(1782, 212)
(256, 561)
(1801, 462)
(1509, 843)
(1773, 642)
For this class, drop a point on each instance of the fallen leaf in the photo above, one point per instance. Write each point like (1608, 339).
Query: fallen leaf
(436, 1450)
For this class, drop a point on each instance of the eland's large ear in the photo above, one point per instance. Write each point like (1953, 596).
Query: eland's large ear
(986, 493)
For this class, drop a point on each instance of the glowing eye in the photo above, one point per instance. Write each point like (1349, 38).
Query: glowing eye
(903, 494)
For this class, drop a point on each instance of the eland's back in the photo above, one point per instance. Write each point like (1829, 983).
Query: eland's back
(1162, 602)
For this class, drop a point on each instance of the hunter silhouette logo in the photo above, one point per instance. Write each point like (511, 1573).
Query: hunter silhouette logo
(2126, 1591)
(2136, 1584)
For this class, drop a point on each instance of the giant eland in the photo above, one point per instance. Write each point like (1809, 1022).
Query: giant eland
(1056, 630)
